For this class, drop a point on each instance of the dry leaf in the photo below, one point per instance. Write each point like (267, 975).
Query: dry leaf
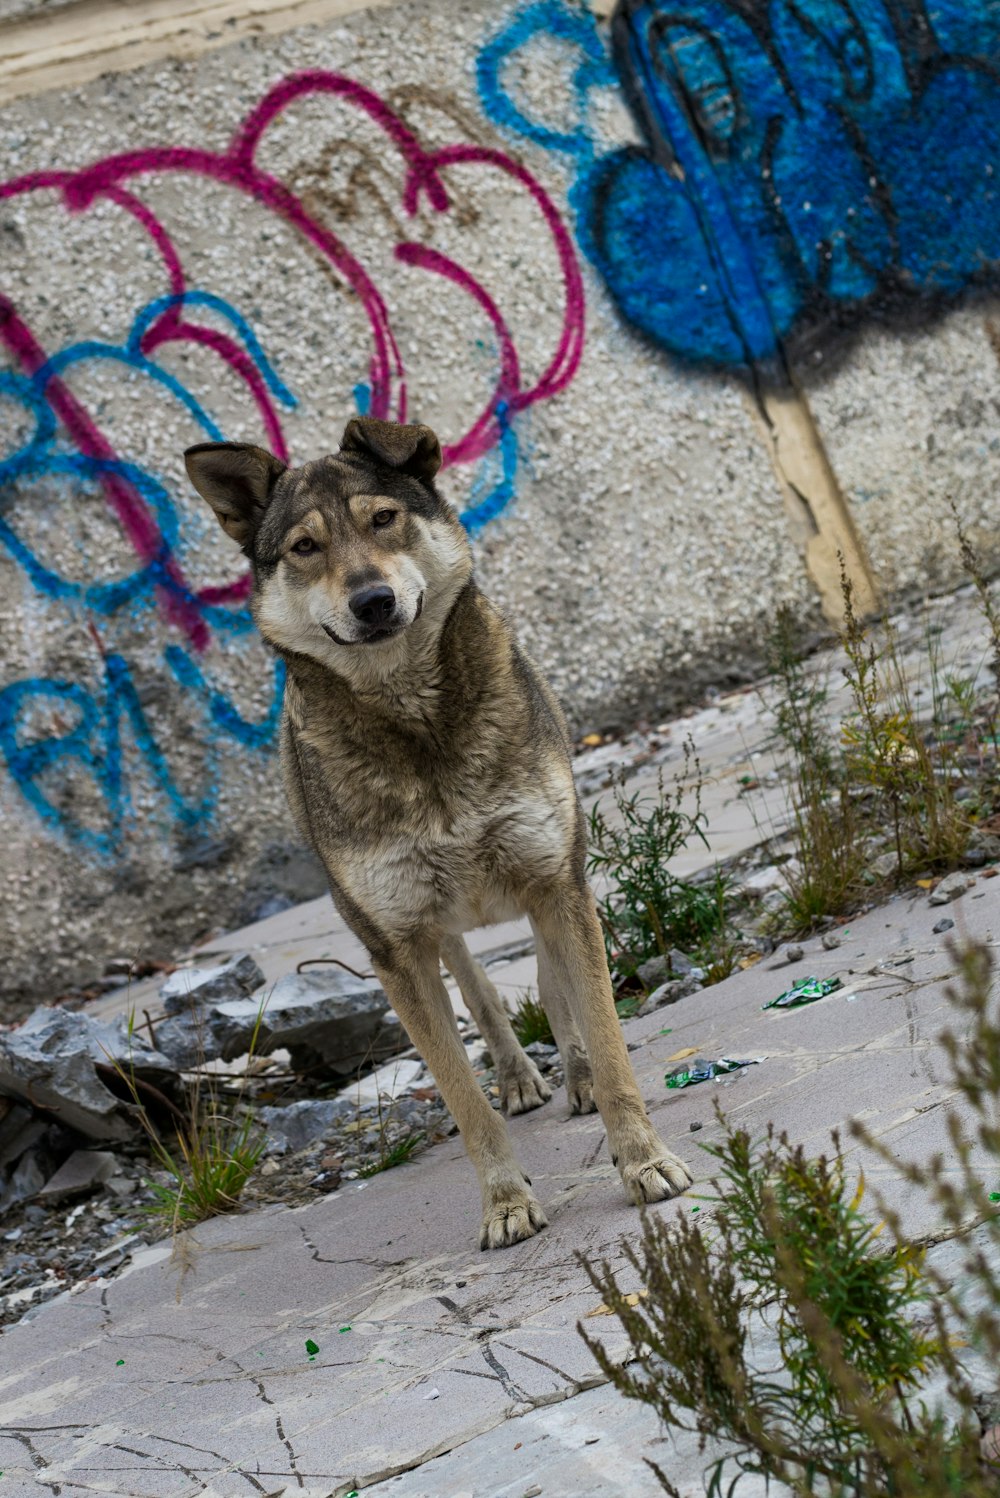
(689, 1050)
(750, 961)
(592, 740)
(630, 1300)
(926, 883)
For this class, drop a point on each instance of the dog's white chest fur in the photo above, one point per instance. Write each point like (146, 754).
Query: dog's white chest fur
(465, 873)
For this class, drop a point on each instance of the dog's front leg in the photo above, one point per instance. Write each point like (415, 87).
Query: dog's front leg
(565, 921)
(521, 1084)
(412, 979)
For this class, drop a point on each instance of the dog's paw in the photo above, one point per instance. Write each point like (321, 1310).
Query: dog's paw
(511, 1218)
(657, 1178)
(522, 1087)
(580, 1085)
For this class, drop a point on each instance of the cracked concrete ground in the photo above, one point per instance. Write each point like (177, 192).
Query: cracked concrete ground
(190, 1374)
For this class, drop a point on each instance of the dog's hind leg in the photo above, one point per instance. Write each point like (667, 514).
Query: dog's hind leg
(411, 977)
(567, 923)
(522, 1086)
(556, 1003)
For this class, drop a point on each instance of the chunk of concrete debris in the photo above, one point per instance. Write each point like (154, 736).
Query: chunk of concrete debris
(194, 987)
(329, 1022)
(26, 1180)
(774, 879)
(299, 1124)
(656, 970)
(951, 887)
(82, 1171)
(669, 993)
(50, 1062)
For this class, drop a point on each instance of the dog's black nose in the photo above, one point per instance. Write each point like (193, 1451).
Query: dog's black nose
(373, 605)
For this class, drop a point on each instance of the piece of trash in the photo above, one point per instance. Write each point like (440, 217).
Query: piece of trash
(708, 1071)
(695, 1209)
(995, 1196)
(689, 1050)
(433, 1394)
(343, 1328)
(944, 924)
(311, 1348)
(630, 1300)
(666, 1032)
(120, 1363)
(805, 991)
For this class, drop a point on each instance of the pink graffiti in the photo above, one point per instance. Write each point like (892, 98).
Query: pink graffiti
(112, 179)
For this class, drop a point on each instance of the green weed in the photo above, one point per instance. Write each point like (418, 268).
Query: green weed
(861, 1324)
(393, 1154)
(530, 1022)
(647, 909)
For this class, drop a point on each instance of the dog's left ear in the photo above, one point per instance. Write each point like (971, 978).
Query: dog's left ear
(409, 449)
(236, 479)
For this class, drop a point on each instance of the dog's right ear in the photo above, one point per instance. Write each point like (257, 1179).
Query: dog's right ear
(237, 480)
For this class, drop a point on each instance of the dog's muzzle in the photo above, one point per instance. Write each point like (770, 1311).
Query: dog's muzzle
(376, 611)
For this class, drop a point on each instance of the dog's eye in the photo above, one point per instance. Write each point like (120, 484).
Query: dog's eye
(304, 546)
(383, 517)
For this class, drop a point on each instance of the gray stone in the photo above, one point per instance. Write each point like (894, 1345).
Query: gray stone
(669, 993)
(292, 1128)
(19, 1130)
(186, 1041)
(974, 858)
(884, 866)
(84, 1170)
(952, 887)
(680, 962)
(770, 880)
(794, 953)
(943, 925)
(51, 1063)
(327, 1019)
(26, 1180)
(831, 940)
(653, 971)
(193, 987)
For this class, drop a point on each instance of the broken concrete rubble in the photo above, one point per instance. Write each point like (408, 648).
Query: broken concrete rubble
(51, 1062)
(951, 887)
(197, 986)
(292, 1128)
(84, 1170)
(329, 1021)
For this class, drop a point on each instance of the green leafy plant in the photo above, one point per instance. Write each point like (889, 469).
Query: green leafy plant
(859, 1325)
(530, 1022)
(825, 877)
(647, 909)
(913, 777)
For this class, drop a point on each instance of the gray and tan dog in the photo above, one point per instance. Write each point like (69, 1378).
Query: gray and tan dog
(427, 764)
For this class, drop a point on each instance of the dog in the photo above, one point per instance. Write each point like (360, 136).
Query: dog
(428, 765)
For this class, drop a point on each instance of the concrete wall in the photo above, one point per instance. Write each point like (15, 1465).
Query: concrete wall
(691, 310)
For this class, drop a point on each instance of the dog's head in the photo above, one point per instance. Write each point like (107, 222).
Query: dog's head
(348, 552)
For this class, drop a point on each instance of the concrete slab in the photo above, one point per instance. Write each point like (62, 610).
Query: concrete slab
(191, 1374)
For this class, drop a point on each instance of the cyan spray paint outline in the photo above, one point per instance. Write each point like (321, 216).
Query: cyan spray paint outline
(143, 504)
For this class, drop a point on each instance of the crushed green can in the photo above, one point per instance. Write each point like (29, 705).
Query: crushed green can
(707, 1071)
(805, 991)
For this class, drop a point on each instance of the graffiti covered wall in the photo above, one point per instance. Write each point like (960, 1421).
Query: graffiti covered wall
(598, 258)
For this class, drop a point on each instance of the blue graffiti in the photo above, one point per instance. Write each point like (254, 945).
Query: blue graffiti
(89, 725)
(802, 161)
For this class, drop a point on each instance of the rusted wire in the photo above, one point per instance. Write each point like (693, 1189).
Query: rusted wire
(313, 961)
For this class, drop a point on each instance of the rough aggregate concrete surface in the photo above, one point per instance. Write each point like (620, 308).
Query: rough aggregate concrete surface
(623, 557)
(642, 545)
(190, 1373)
